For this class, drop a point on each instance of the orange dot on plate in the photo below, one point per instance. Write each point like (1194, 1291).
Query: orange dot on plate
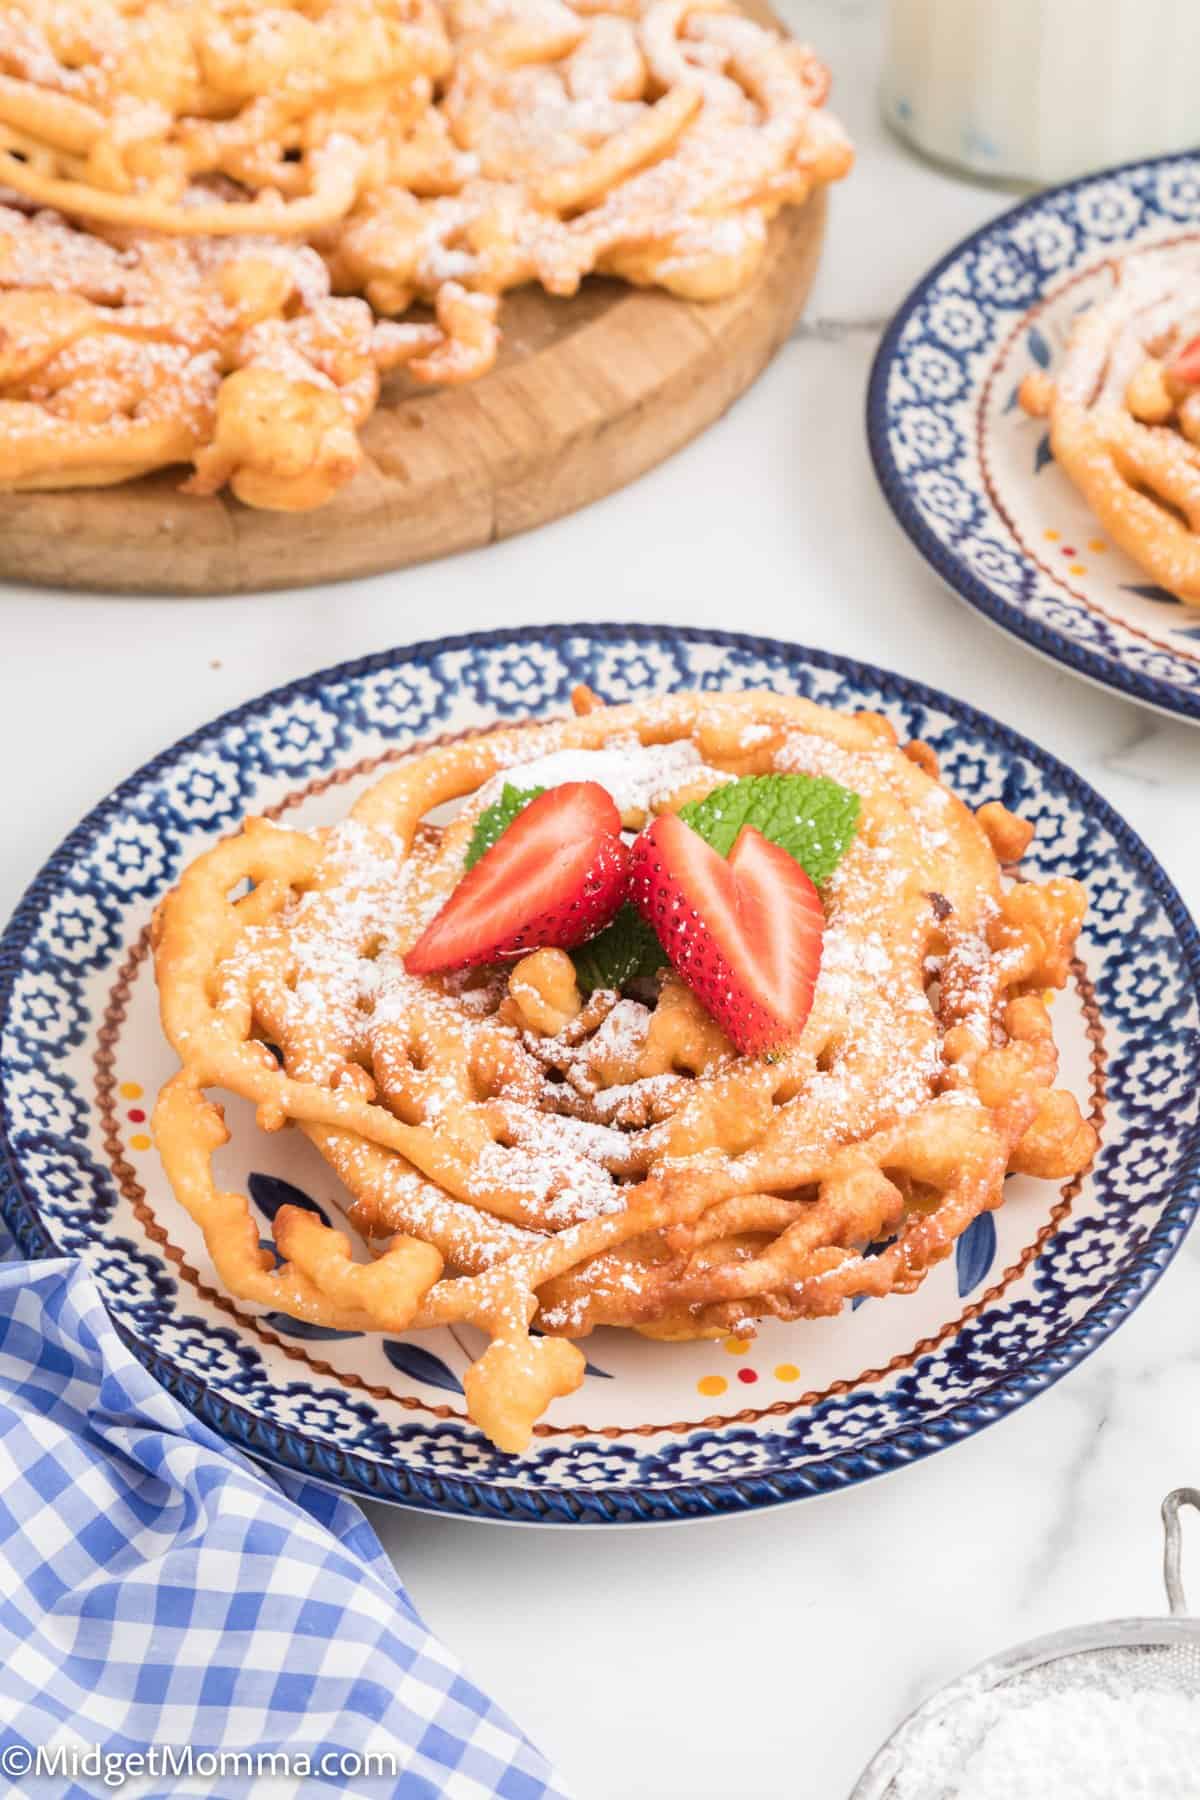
(139, 1141)
(131, 1090)
(1077, 569)
(1098, 545)
(786, 1372)
(737, 1346)
(711, 1384)
(1053, 536)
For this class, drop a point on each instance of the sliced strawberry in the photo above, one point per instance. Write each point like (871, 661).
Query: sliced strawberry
(555, 877)
(1185, 364)
(745, 934)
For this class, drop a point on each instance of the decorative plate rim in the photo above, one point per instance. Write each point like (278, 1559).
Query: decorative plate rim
(464, 1495)
(1149, 690)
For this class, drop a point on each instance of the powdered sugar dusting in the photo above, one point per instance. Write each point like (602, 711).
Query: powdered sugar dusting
(535, 1133)
(635, 774)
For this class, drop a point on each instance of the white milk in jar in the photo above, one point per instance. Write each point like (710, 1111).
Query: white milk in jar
(1041, 90)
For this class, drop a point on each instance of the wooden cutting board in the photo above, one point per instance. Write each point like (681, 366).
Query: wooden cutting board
(587, 394)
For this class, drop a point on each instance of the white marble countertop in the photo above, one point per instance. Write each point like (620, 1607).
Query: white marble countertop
(761, 1656)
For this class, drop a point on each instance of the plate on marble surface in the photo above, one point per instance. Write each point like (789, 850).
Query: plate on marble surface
(972, 479)
(657, 1431)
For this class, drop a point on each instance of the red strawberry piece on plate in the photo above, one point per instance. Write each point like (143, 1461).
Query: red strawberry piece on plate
(1185, 364)
(555, 877)
(744, 933)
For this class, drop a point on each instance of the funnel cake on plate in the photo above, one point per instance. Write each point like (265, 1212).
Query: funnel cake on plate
(1124, 413)
(537, 1155)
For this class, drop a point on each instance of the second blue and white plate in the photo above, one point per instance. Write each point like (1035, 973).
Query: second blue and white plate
(972, 479)
(657, 1431)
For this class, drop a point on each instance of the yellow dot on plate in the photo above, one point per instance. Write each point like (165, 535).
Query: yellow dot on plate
(131, 1090)
(711, 1384)
(1077, 569)
(737, 1346)
(786, 1372)
(1052, 536)
(139, 1141)
(1098, 545)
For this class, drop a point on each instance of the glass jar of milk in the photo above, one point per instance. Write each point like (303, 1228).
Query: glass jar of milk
(1041, 90)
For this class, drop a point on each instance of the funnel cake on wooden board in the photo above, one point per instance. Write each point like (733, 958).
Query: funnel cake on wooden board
(220, 216)
(538, 1161)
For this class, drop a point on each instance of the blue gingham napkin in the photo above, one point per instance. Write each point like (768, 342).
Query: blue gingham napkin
(159, 1590)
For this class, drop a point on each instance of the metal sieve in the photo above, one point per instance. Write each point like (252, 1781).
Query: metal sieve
(925, 1757)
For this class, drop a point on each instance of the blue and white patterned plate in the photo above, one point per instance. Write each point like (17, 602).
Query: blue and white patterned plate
(657, 1431)
(971, 477)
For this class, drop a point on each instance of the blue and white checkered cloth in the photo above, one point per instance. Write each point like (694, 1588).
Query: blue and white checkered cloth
(159, 1590)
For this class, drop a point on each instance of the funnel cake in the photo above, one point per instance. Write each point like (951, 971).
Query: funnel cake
(537, 1160)
(1124, 413)
(174, 172)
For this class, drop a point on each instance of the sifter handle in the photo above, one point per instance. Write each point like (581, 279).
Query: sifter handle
(1173, 1545)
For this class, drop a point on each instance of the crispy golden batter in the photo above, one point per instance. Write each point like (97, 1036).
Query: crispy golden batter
(432, 151)
(1125, 424)
(518, 1152)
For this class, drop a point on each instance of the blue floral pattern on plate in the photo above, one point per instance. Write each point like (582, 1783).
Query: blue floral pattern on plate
(932, 437)
(89, 905)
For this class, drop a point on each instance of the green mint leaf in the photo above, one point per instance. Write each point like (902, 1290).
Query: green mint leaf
(495, 819)
(624, 951)
(809, 816)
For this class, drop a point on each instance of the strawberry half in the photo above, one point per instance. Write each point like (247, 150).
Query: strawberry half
(1185, 364)
(744, 933)
(555, 877)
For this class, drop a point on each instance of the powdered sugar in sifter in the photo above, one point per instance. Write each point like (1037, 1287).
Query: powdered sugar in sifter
(1089, 1714)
